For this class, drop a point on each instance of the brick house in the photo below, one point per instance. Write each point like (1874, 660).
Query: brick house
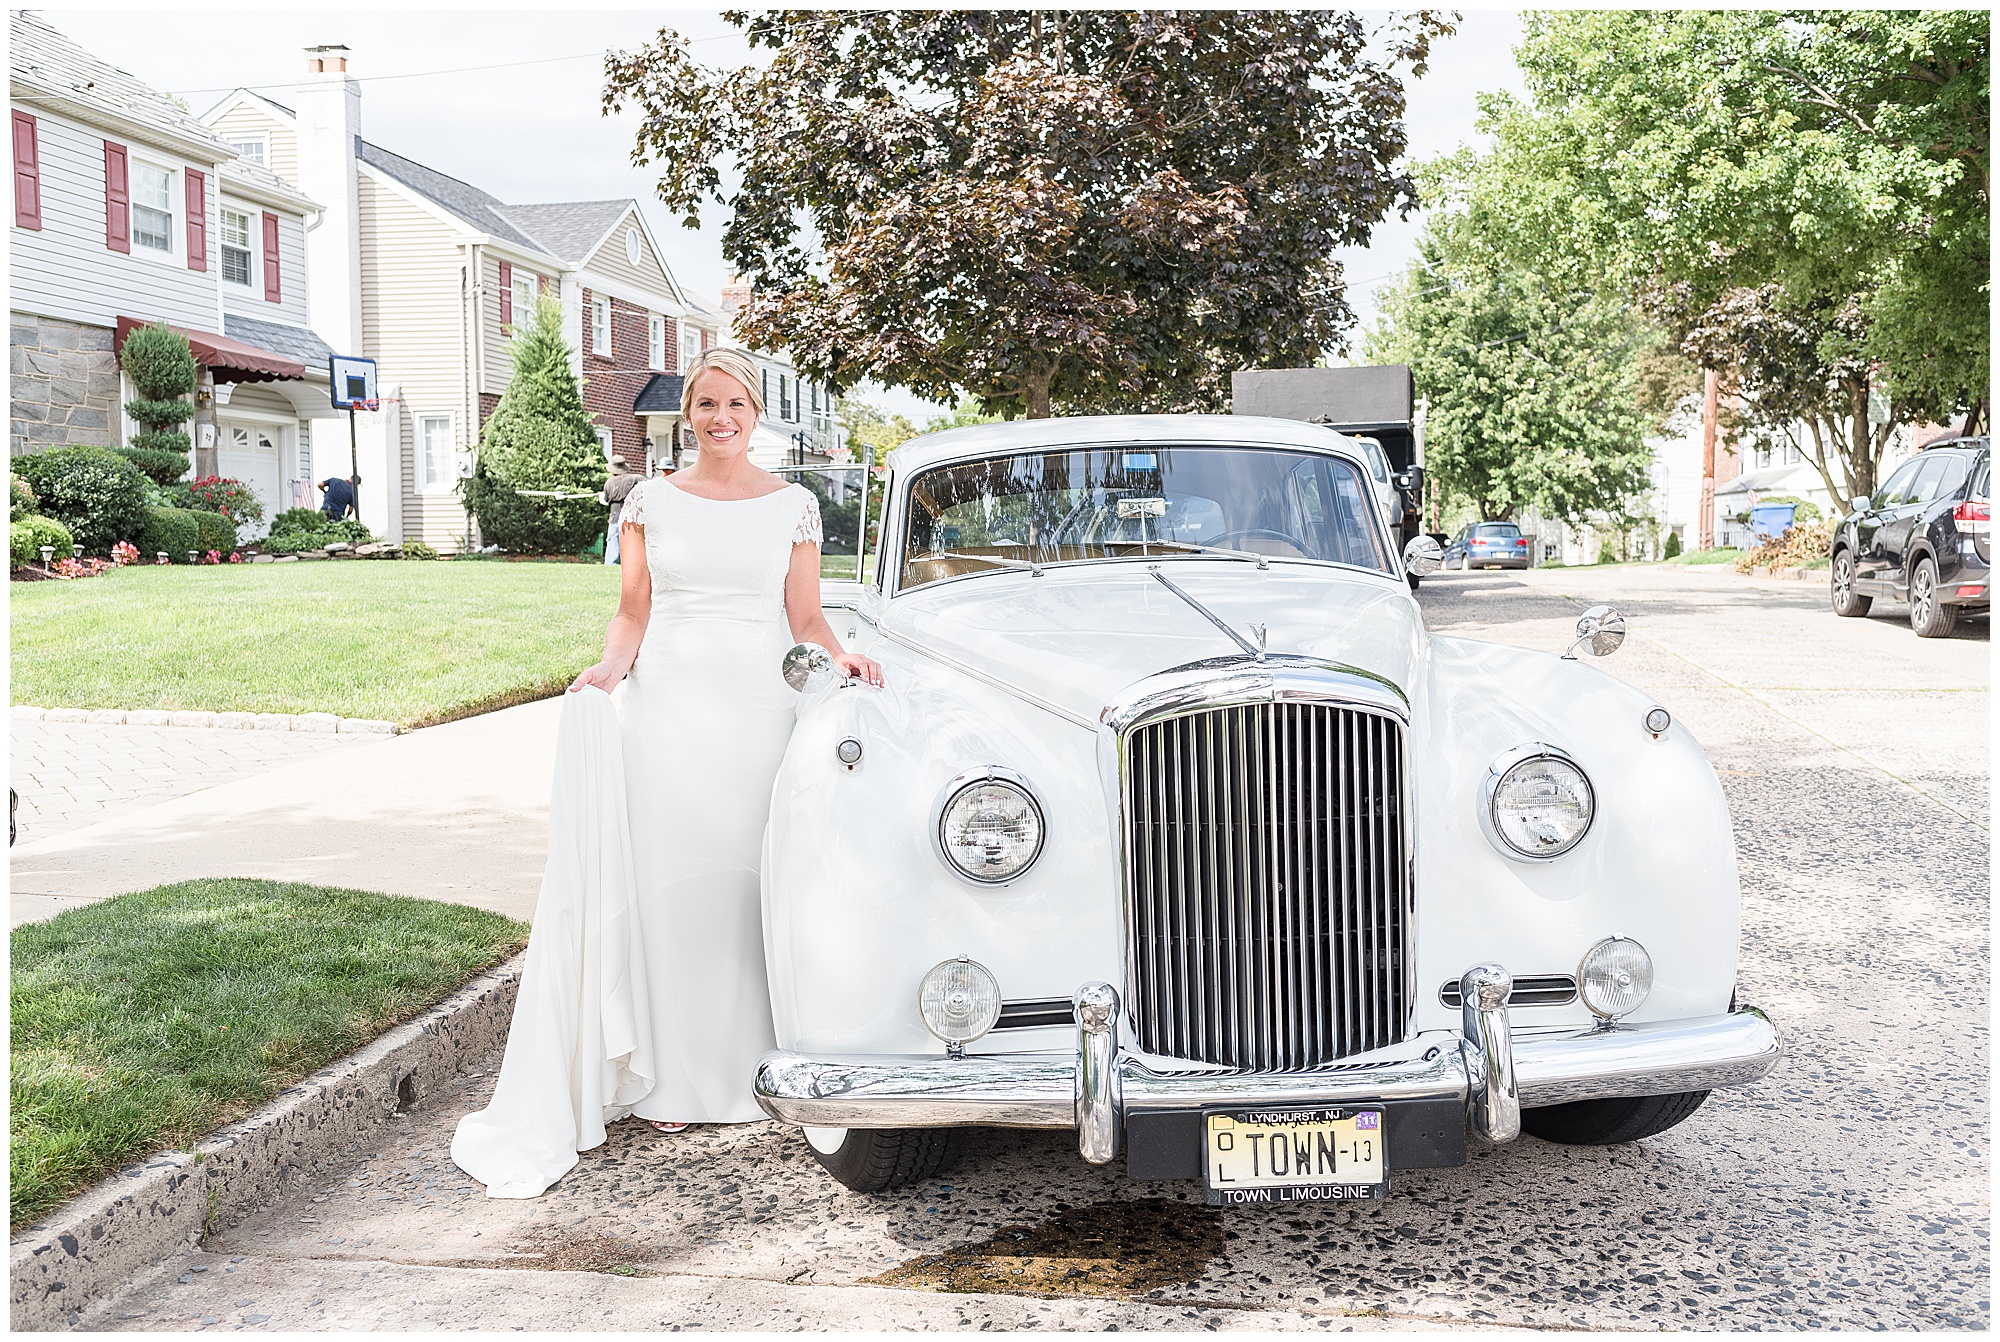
(425, 273)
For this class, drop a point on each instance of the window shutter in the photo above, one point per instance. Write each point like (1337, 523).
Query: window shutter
(197, 219)
(117, 199)
(27, 173)
(506, 294)
(273, 290)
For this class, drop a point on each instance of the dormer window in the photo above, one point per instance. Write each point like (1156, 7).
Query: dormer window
(250, 150)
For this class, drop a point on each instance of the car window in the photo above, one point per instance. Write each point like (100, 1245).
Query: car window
(1982, 484)
(1947, 480)
(1378, 465)
(1507, 529)
(1897, 491)
(1925, 487)
(1073, 505)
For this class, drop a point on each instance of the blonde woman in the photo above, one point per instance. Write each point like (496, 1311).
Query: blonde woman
(720, 576)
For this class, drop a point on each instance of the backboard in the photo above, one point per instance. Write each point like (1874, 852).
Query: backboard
(353, 383)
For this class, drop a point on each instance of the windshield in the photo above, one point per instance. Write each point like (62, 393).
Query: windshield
(1378, 464)
(1496, 529)
(1080, 504)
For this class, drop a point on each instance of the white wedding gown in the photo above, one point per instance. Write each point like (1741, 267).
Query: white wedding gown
(644, 989)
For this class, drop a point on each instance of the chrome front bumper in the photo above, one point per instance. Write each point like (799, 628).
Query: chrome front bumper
(1492, 1073)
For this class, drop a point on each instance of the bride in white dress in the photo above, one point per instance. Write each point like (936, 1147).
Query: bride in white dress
(658, 814)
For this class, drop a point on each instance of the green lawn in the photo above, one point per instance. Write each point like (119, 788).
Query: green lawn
(147, 1021)
(1720, 555)
(411, 642)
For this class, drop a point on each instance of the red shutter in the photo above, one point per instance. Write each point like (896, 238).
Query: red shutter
(27, 173)
(506, 294)
(273, 292)
(197, 227)
(117, 199)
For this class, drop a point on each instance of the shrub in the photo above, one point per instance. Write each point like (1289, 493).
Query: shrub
(21, 500)
(217, 531)
(161, 466)
(298, 519)
(160, 364)
(97, 494)
(218, 494)
(539, 438)
(26, 537)
(418, 550)
(175, 530)
(1673, 545)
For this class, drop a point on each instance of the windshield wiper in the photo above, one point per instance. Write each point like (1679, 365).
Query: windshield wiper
(1254, 649)
(995, 560)
(1261, 561)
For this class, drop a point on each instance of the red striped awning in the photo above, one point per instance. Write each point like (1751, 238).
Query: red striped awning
(227, 360)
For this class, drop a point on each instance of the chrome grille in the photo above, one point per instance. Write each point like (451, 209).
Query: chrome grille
(1267, 884)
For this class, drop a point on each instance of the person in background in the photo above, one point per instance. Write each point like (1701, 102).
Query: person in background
(339, 500)
(616, 487)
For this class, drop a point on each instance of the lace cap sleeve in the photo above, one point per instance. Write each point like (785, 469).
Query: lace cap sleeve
(634, 511)
(808, 527)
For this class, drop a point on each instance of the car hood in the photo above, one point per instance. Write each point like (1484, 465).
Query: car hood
(1077, 636)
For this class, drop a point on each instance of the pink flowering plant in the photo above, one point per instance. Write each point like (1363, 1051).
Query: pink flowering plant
(218, 494)
(81, 568)
(235, 556)
(212, 557)
(124, 552)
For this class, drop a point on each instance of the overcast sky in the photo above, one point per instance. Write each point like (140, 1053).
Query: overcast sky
(530, 132)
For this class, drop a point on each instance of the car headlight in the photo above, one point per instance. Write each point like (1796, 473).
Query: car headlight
(959, 1001)
(989, 826)
(1615, 978)
(1538, 803)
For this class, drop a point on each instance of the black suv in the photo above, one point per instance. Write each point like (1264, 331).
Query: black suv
(1922, 538)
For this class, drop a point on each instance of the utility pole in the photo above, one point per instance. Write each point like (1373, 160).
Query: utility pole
(1711, 398)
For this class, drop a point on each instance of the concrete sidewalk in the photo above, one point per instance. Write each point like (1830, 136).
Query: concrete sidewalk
(457, 812)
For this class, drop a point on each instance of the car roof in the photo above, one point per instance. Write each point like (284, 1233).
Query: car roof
(1023, 435)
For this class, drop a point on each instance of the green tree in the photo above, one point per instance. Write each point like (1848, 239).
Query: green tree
(1817, 180)
(160, 364)
(1086, 208)
(533, 486)
(869, 425)
(1534, 391)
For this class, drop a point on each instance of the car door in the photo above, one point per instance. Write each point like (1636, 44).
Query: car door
(1893, 538)
(1882, 510)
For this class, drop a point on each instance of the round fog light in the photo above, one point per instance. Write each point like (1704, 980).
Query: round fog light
(959, 1000)
(1615, 977)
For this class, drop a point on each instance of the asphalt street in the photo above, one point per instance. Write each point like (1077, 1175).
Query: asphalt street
(1850, 1189)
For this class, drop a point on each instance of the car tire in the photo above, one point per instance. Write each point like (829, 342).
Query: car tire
(1929, 616)
(1847, 603)
(875, 1160)
(1610, 1122)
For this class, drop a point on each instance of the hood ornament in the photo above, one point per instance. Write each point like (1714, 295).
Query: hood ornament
(1254, 649)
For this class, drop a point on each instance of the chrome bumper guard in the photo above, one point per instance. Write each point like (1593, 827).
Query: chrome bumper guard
(1486, 1069)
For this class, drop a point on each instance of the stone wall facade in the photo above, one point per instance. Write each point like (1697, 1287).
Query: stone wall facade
(63, 384)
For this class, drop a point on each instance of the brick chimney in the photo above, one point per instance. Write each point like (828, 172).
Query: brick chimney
(735, 294)
(328, 102)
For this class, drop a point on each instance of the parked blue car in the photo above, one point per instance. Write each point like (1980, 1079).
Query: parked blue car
(1487, 545)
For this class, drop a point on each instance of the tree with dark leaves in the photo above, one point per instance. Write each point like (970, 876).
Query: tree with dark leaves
(1079, 209)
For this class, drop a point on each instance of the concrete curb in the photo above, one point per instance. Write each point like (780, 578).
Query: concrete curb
(160, 717)
(93, 1245)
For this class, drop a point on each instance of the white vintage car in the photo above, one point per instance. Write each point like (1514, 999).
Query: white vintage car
(1174, 827)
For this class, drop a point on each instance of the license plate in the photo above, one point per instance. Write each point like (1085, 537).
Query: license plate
(1293, 1155)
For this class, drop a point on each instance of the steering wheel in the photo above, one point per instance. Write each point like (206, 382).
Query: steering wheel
(1215, 542)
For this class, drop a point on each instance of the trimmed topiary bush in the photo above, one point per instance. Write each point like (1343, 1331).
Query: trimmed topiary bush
(161, 467)
(26, 537)
(175, 530)
(97, 494)
(539, 438)
(217, 531)
(1673, 545)
(163, 371)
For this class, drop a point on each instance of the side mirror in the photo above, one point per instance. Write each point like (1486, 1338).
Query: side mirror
(1599, 631)
(1423, 556)
(806, 667)
(1858, 504)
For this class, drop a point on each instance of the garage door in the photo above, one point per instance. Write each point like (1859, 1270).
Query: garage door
(249, 453)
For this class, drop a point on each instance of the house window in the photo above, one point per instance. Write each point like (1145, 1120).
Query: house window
(600, 326)
(251, 150)
(153, 207)
(656, 343)
(525, 289)
(236, 253)
(434, 449)
(605, 442)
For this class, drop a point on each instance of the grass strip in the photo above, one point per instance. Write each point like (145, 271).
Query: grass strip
(147, 1021)
(406, 641)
